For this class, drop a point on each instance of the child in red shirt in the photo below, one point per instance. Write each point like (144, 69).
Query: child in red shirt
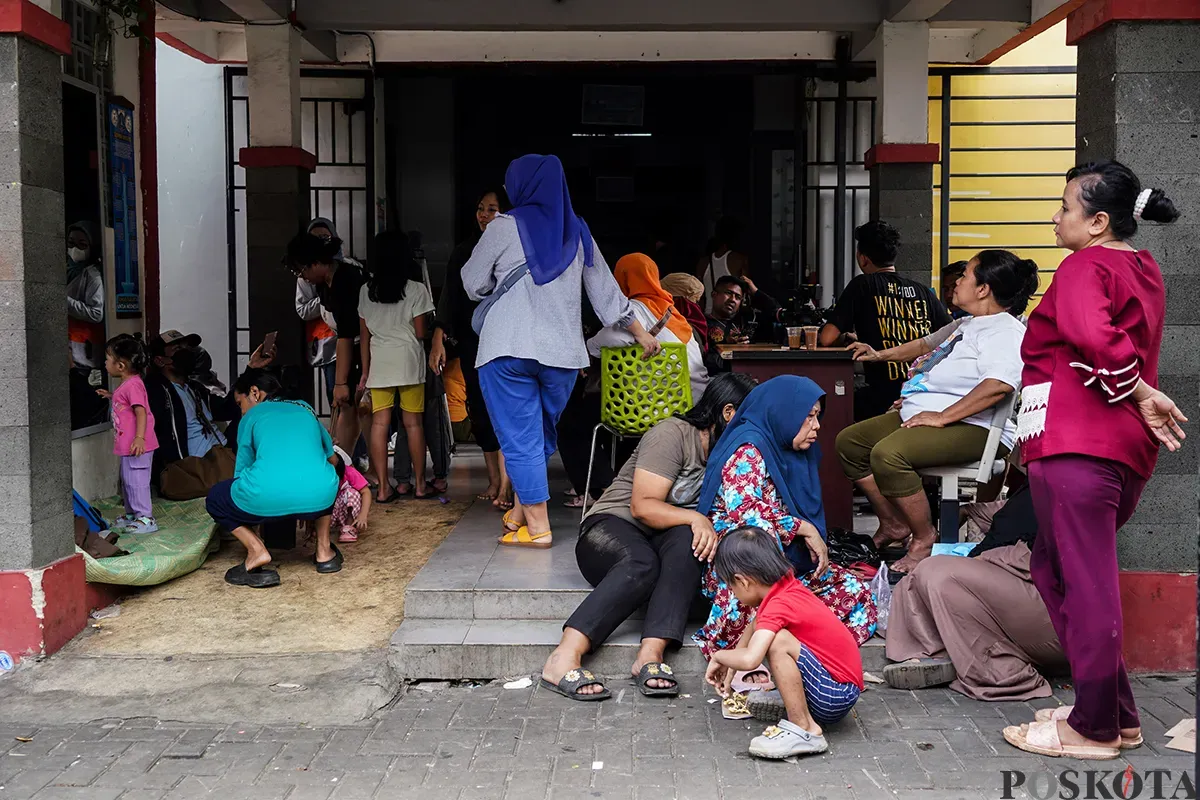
(814, 659)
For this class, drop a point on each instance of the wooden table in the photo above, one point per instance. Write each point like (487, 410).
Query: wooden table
(832, 368)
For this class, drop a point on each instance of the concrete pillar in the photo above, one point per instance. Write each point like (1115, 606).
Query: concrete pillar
(41, 578)
(901, 162)
(278, 172)
(1138, 85)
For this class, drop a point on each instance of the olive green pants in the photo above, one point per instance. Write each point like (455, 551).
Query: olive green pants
(880, 447)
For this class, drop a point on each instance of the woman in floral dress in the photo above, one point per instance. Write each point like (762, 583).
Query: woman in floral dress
(764, 472)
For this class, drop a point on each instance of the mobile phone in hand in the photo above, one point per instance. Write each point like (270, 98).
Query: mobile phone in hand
(268, 343)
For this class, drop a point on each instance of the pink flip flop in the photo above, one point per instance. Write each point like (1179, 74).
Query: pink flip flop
(739, 683)
(1041, 738)
(1062, 712)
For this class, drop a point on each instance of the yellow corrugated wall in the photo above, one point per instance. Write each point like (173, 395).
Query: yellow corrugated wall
(1012, 138)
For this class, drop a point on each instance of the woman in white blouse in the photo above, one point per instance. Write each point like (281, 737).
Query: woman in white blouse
(637, 275)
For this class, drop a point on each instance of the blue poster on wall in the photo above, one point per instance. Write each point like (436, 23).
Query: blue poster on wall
(122, 178)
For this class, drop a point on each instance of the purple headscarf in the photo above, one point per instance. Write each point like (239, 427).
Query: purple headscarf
(550, 232)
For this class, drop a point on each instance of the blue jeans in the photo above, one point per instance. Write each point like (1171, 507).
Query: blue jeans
(525, 400)
(329, 372)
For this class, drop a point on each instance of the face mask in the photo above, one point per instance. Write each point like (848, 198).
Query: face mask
(78, 254)
(184, 360)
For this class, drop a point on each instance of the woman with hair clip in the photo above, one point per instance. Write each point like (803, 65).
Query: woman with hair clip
(1091, 423)
(453, 325)
(645, 542)
(284, 469)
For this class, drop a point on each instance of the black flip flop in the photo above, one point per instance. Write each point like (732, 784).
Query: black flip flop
(391, 498)
(257, 578)
(573, 681)
(332, 565)
(656, 670)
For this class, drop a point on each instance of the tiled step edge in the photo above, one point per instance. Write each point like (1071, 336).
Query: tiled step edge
(487, 650)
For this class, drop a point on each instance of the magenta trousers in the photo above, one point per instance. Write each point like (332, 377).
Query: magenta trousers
(1080, 503)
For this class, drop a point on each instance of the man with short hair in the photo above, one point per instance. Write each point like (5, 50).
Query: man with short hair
(733, 320)
(882, 309)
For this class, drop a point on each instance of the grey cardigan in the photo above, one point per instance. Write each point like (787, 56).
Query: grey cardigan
(542, 323)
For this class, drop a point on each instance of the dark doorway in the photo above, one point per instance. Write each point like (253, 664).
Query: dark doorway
(87, 301)
(648, 156)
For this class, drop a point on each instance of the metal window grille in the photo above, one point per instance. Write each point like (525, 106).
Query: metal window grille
(80, 65)
(835, 194)
(338, 130)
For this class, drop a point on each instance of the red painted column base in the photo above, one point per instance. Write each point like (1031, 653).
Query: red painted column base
(41, 609)
(902, 154)
(277, 156)
(1159, 609)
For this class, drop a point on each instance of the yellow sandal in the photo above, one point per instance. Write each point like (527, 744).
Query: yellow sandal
(522, 538)
(507, 520)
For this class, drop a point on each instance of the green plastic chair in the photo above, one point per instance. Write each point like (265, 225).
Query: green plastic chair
(635, 395)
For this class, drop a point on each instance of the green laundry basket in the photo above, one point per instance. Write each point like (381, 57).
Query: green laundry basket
(635, 394)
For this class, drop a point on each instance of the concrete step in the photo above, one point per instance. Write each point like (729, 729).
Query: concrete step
(425, 649)
(494, 604)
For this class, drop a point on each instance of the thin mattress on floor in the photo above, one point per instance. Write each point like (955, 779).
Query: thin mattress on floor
(186, 535)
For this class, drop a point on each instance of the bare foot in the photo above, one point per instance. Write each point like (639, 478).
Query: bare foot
(757, 676)
(651, 654)
(441, 484)
(514, 519)
(889, 534)
(489, 493)
(259, 558)
(504, 500)
(559, 664)
(918, 551)
(404, 488)
(1069, 736)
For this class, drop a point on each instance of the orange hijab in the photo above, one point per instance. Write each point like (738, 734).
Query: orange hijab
(637, 275)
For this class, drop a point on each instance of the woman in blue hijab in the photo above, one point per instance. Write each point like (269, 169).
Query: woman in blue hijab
(529, 272)
(764, 472)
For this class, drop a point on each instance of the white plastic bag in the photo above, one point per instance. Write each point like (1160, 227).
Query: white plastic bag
(882, 592)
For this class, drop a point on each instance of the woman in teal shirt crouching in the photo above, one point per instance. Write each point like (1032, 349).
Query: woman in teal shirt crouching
(284, 469)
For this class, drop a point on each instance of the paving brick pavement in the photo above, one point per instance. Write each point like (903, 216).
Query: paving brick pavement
(443, 742)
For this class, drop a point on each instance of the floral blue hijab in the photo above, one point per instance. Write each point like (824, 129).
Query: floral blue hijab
(769, 418)
(550, 231)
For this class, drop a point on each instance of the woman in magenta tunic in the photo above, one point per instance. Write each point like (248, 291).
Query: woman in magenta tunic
(1090, 426)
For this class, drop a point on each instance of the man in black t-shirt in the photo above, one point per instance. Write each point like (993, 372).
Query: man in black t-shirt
(883, 310)
(740, 314)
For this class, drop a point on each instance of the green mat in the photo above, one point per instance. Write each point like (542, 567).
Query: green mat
(185, 537)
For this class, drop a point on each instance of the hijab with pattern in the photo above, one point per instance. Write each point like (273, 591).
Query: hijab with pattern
(769, 418)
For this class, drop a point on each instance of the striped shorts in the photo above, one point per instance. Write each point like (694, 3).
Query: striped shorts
(828, 699)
